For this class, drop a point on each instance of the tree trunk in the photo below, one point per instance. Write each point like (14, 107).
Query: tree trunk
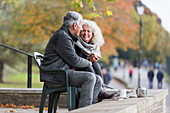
(1, 71)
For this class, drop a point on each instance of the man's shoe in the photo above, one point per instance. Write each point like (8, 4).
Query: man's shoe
(104, 95)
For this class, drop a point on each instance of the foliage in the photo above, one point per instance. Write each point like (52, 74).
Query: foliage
(160, 48)
(5, 14)
(130, 55)
(27, 25)
(30, 23)
(119, 30)
(154, 38)
(90, 4)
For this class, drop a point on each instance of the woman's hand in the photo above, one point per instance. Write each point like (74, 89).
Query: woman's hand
(93, 57)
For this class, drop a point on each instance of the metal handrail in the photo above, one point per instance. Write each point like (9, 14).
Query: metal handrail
(16, 50)
(29, 82)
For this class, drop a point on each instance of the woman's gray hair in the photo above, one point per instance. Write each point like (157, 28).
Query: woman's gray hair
(72, 17)
(97, 34)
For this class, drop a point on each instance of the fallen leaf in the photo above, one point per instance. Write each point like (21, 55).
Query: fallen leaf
(36, 109)
(11, 110)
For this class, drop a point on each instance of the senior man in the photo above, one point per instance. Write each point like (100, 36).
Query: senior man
(60, 54)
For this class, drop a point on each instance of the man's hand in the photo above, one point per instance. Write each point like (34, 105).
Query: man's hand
(91, 57)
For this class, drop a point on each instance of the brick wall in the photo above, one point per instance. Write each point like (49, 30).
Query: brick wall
(26, 98)
(17, 99)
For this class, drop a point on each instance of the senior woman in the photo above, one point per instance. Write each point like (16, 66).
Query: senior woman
(88, 47)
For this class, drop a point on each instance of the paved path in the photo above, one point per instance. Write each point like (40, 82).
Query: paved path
(116, 84)
(18, 110)
(123, 74)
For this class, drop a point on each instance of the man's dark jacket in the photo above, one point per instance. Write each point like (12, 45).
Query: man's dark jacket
(160, 76)
(150, 75)
(60, 54)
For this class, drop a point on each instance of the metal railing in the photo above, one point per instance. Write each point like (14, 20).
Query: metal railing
(29, 82)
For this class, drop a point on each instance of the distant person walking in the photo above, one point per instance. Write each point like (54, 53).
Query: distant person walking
(160, 78)
(106, 76)
(150, 78)
(130, 72)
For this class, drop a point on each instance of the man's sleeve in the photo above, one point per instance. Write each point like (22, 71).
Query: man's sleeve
(66, 50)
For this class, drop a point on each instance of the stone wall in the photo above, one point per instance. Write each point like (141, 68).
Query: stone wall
(17, 99)
(158, 107)
(154, 102)
(26, 96)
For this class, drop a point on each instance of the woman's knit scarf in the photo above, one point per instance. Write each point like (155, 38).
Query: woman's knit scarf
(87, 49)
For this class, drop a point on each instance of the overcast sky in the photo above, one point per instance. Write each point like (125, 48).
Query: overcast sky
(162, 9)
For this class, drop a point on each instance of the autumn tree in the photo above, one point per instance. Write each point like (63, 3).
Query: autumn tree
(27, 25)
(155, 38)
(119, 30)
(160, 49)
(7, 56)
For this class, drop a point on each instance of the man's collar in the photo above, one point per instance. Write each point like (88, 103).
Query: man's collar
(63, 27)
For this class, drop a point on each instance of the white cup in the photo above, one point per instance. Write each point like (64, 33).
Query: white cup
(122, 93)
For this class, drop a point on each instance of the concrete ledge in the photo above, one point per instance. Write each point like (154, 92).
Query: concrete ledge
(155, 102)
(21, 90)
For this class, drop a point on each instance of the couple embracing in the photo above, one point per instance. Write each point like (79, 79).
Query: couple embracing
(77, 45)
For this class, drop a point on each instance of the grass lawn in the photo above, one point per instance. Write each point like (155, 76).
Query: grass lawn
(17, 77)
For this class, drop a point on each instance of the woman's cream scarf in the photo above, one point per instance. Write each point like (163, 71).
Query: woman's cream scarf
(87, 49)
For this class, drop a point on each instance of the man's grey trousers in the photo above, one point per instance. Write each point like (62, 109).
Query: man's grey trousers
(90, 86)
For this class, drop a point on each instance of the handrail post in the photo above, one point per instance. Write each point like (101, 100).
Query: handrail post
(29, 82)
(29, 72)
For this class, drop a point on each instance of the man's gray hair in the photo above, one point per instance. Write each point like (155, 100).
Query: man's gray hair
(72, 17)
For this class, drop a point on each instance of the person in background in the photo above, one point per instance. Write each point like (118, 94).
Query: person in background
(160, 78)
(131, 72)
(150, 77)
(88, 47)
(106, 76)
(156, 65)
(60, 54)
